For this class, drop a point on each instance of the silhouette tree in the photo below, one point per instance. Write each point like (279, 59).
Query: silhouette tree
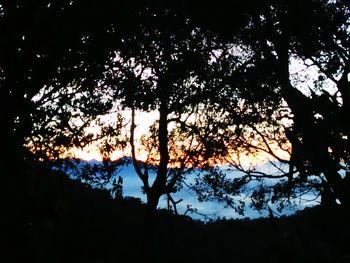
(58, 60)
(52, 55)
(38, 57)
(304, 107)
(167, 66)
(152, 57)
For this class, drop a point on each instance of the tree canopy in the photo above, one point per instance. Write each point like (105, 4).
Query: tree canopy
(169, 67)
(263, 77)
(310, 98)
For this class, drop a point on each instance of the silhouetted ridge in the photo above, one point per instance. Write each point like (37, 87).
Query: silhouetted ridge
(66, 221)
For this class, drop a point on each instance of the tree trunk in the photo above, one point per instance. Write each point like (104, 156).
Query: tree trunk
(314, 142)
(152, 200)
(148, 235)
(159, 186)
(160, 182)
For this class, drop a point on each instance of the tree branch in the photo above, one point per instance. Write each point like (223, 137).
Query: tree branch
(143, 176)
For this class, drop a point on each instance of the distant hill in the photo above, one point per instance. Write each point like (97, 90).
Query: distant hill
(56, 219)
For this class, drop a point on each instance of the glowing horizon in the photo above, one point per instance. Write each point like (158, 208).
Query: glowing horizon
(143, 121)
(91, 152)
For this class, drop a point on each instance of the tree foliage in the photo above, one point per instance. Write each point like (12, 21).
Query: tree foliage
(169, 67)
(220, 91)
(304, 106)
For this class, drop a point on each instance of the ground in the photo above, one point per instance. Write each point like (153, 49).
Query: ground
(55, 219)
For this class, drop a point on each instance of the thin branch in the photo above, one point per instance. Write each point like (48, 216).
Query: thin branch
(322, 70)
(143, 176)
(174, 203)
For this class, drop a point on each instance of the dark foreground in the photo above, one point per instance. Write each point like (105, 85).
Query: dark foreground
(53, 219)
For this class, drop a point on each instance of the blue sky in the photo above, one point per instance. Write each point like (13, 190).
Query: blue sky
(212, 209)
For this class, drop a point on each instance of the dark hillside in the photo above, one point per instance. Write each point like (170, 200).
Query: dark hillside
(55, 219)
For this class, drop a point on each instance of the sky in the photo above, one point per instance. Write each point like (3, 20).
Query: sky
(209, 209)
(302, 75)
(142, 120)
(132, 184)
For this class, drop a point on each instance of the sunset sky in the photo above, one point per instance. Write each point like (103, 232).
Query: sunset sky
(299, 71)
(143, 121)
